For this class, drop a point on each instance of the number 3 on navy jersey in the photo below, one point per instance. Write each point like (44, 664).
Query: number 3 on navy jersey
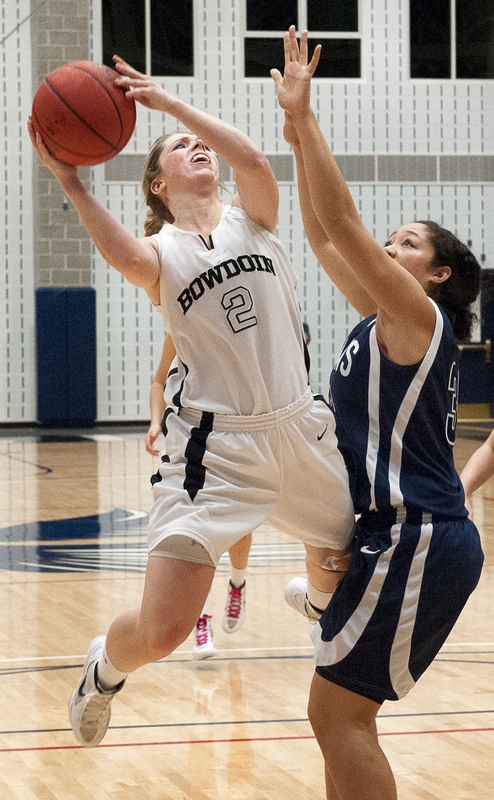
(453, 393)
(238, 303)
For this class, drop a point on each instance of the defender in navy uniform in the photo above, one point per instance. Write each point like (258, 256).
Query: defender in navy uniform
(417, 555)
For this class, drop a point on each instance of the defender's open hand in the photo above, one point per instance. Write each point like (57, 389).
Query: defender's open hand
(293, 87)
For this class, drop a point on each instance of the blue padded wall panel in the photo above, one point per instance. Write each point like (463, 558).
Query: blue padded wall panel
(66, 355)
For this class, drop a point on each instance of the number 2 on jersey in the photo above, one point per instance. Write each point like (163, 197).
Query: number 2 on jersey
(238, 304)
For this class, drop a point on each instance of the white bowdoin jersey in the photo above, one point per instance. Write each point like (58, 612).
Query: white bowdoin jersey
(231, 306)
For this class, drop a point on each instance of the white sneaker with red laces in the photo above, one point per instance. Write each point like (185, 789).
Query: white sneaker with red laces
(234, 613)
(204, 645)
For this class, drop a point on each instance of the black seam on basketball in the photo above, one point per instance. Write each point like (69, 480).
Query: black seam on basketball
(81, 119)
(115, 148)
(103, 86)
(57, 147)
(47, 139)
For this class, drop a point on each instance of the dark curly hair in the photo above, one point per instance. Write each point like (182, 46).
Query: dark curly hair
(462, 287)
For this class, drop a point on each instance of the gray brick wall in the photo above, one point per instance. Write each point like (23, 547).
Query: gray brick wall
(60, 33)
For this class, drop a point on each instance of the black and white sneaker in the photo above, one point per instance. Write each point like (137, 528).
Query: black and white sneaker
(89, 705)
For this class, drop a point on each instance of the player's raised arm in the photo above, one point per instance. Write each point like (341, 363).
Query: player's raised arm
(136, 258)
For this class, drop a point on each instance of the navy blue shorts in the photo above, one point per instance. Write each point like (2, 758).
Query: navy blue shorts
(409, 578)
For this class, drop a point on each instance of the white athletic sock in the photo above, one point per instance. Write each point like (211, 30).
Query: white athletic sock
(318, 600)
(237, 577)
(108, 675)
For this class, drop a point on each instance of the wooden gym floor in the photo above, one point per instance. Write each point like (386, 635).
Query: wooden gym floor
(73, 514)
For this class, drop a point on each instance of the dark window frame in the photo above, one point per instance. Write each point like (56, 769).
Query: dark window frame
(135, 34)
(438, 40)
(263, 48)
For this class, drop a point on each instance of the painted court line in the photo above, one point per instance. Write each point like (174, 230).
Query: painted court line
(307, 648)
(245, 740)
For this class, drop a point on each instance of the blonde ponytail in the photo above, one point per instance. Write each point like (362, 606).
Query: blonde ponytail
(157, 211)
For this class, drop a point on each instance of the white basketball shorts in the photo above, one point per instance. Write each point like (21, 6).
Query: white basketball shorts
(222, 476)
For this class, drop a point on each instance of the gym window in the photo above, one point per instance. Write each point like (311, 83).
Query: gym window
(155, 36)
(335, 25)
(452, 39)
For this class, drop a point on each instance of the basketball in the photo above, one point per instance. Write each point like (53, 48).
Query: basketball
(83, 118)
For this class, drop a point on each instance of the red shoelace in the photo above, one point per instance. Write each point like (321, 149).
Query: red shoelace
(234, 603)
(202, 630)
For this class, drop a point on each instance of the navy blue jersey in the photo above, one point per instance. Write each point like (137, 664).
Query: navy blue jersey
(396, 424)
(417, 556)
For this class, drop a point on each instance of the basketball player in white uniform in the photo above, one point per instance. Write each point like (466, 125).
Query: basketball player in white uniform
(246, 441)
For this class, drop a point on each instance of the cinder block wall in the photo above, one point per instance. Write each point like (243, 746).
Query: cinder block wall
(59, 33)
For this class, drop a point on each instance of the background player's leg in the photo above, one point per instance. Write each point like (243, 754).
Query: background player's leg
(234, 613)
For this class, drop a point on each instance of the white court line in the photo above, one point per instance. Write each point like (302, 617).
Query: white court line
(175, 652)
(468, 644)
(223, 650)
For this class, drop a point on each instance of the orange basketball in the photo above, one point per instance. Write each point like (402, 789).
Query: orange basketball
(82, 116)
